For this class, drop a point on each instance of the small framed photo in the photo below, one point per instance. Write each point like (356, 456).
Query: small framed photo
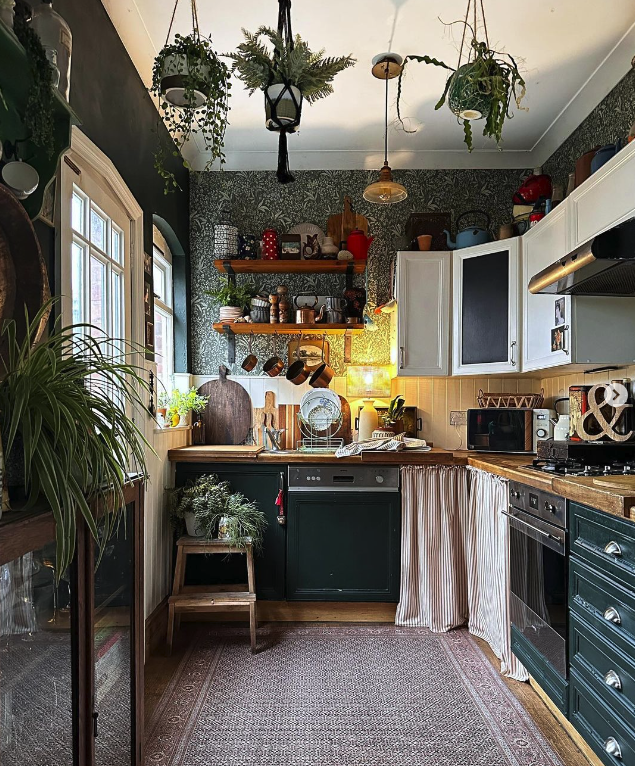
(290, 247)
(560, 318)
(309, 351)
(557, 339)
(147, 264)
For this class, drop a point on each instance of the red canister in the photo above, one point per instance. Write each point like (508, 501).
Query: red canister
(270, 245)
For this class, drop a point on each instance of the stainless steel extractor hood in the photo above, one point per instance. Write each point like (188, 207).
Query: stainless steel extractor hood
(603, 266)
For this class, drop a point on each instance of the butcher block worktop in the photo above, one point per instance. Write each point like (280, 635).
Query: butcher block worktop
(596, 492)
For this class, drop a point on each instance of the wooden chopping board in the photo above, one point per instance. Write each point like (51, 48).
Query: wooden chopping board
(624, 483)
(265, 416)
(346, 431)
(227, 417)
(340, 225)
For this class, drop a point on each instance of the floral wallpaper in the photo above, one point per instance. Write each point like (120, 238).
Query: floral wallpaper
(611, 119)
(255, 201)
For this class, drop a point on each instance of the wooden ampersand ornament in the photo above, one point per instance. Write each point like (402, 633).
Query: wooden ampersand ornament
(597, 414)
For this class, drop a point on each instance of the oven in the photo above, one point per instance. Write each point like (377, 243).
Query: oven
(538, 585)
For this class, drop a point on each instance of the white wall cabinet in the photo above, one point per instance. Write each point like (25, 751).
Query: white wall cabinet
(542, 245)
(486, 308)
(423, 313)
(603, 200)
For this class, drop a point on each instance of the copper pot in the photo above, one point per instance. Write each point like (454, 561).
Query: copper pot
(322, 376)
(251, 360)
(274, 366)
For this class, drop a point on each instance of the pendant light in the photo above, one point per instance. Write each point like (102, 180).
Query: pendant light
(386, 66)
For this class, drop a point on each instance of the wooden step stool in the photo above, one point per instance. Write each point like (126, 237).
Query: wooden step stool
(199, 599)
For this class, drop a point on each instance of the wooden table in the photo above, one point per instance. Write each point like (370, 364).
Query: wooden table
(204, 600)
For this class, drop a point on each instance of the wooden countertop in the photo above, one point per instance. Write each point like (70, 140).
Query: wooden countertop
(619, 502)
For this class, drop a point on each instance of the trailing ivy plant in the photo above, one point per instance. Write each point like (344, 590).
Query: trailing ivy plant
(484, 86)
(38, 114)
(309, 71)
(200, 70)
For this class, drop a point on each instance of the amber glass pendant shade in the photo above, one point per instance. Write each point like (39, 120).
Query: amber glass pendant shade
(385, 191)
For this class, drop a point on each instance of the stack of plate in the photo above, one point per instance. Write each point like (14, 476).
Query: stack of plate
(320, 409)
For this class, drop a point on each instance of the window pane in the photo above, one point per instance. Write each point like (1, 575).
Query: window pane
(117, 305)
(97, 230)
(159, 282)
(159, 343)
(98, 310)
(77, 283)
(77, 213)
(117, 245)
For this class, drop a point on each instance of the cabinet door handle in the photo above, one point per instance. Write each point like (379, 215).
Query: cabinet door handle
(513, 346)
(612, 747)
(565, 338)
(613, 680)
(613, 549)
(401, 357)
(612, 615)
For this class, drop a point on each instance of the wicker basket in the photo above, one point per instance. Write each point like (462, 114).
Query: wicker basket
(532, 401)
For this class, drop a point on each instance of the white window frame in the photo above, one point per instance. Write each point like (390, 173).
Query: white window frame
(162, 261)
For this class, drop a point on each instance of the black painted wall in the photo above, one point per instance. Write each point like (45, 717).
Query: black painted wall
(118, 115)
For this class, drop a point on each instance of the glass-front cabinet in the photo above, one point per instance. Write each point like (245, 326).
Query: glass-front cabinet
(71, 652)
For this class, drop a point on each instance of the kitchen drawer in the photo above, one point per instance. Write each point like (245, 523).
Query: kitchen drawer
(607, 671)
(607, 542)
(598, 725)
(608, 607)
(541, 670)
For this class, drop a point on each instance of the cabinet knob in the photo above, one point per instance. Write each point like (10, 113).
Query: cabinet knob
(612, 615)
(550, 507)
(612, 747)
(613, 549)
(613, 680)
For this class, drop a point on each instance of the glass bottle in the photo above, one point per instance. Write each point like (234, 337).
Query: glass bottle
(57, 40)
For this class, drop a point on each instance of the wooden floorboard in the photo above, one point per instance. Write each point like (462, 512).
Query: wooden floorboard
(160, 669)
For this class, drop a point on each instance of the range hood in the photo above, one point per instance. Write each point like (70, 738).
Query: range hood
(603, 266)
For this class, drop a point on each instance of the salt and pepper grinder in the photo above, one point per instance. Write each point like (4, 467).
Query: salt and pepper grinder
(283, 304)
(274, 312)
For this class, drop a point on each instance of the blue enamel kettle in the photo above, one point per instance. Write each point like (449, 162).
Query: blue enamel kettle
(471, 235)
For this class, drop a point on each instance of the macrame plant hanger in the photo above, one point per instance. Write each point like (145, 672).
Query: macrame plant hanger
(283, 125)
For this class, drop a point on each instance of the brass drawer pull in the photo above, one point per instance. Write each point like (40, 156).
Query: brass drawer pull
(612, 747)
(613, 680)
(613, 549)
(612, 615)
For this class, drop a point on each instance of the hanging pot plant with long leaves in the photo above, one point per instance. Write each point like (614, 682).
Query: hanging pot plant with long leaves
(63, 422)
(192, 85)
(484, 86)
(287, 73)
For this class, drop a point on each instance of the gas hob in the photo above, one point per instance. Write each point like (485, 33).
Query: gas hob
(572, 467)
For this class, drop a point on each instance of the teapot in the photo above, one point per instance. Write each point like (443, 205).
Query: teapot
(307, 314)
(470, 236)
(358, 243)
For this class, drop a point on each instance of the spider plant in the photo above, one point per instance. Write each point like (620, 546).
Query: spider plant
(395, 411)
(63, 401)
(485, 86)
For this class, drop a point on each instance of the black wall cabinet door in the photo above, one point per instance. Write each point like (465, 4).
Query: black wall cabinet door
(261, 484)
(343, 546)
(485, 307)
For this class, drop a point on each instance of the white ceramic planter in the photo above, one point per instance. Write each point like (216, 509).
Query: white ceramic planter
(191, 525)
(285, 109)
(175, 71)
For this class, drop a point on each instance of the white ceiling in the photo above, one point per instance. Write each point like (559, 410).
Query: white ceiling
(572, 53)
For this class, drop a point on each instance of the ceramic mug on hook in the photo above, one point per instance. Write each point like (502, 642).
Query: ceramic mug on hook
(251, 360)
(274, 366)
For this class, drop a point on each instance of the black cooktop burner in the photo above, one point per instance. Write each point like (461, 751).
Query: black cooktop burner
(571, 467)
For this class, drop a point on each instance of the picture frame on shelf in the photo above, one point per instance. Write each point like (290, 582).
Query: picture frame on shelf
(290, 247)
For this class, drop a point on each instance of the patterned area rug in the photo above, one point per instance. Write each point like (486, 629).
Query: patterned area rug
(341, 696)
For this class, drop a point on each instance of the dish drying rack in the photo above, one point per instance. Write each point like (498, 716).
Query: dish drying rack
(320, 428)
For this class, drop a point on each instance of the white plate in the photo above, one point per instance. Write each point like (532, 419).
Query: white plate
(316, 398)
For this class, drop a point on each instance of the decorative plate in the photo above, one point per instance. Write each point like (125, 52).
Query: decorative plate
(319, 398)
(311, 237)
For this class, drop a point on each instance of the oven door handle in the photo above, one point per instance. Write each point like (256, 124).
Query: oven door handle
(534, 529)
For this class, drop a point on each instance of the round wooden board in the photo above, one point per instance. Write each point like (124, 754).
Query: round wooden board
(227, 417)
(625, 483)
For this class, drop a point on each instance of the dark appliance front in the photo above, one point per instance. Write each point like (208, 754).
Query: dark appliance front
(538, 586)
(500, 429)
(343, 533)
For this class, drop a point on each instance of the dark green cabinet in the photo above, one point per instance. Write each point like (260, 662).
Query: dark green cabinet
(343, 546)
(260, 483)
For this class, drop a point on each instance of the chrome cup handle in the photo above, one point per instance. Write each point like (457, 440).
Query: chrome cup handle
(613, 680)
(612, 615)
(613, 549)
(612, 747)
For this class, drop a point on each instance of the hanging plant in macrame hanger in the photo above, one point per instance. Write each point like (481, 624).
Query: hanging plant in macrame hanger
(192, 85)
(288, 75)
(483, 85)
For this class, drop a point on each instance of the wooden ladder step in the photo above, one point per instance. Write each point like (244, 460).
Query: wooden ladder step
(192, 603)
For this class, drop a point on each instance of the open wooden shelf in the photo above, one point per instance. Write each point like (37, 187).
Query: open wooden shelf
(290, 267)
(245, 328)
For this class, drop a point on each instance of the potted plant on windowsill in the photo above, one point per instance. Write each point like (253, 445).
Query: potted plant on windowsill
(192, 85)
(234, 300)
(63, 421)
(179, 404)
(208, 508)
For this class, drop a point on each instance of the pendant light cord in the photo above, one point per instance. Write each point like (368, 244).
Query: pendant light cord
(386, 117)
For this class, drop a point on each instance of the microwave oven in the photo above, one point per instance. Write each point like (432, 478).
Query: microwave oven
(508, 429)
